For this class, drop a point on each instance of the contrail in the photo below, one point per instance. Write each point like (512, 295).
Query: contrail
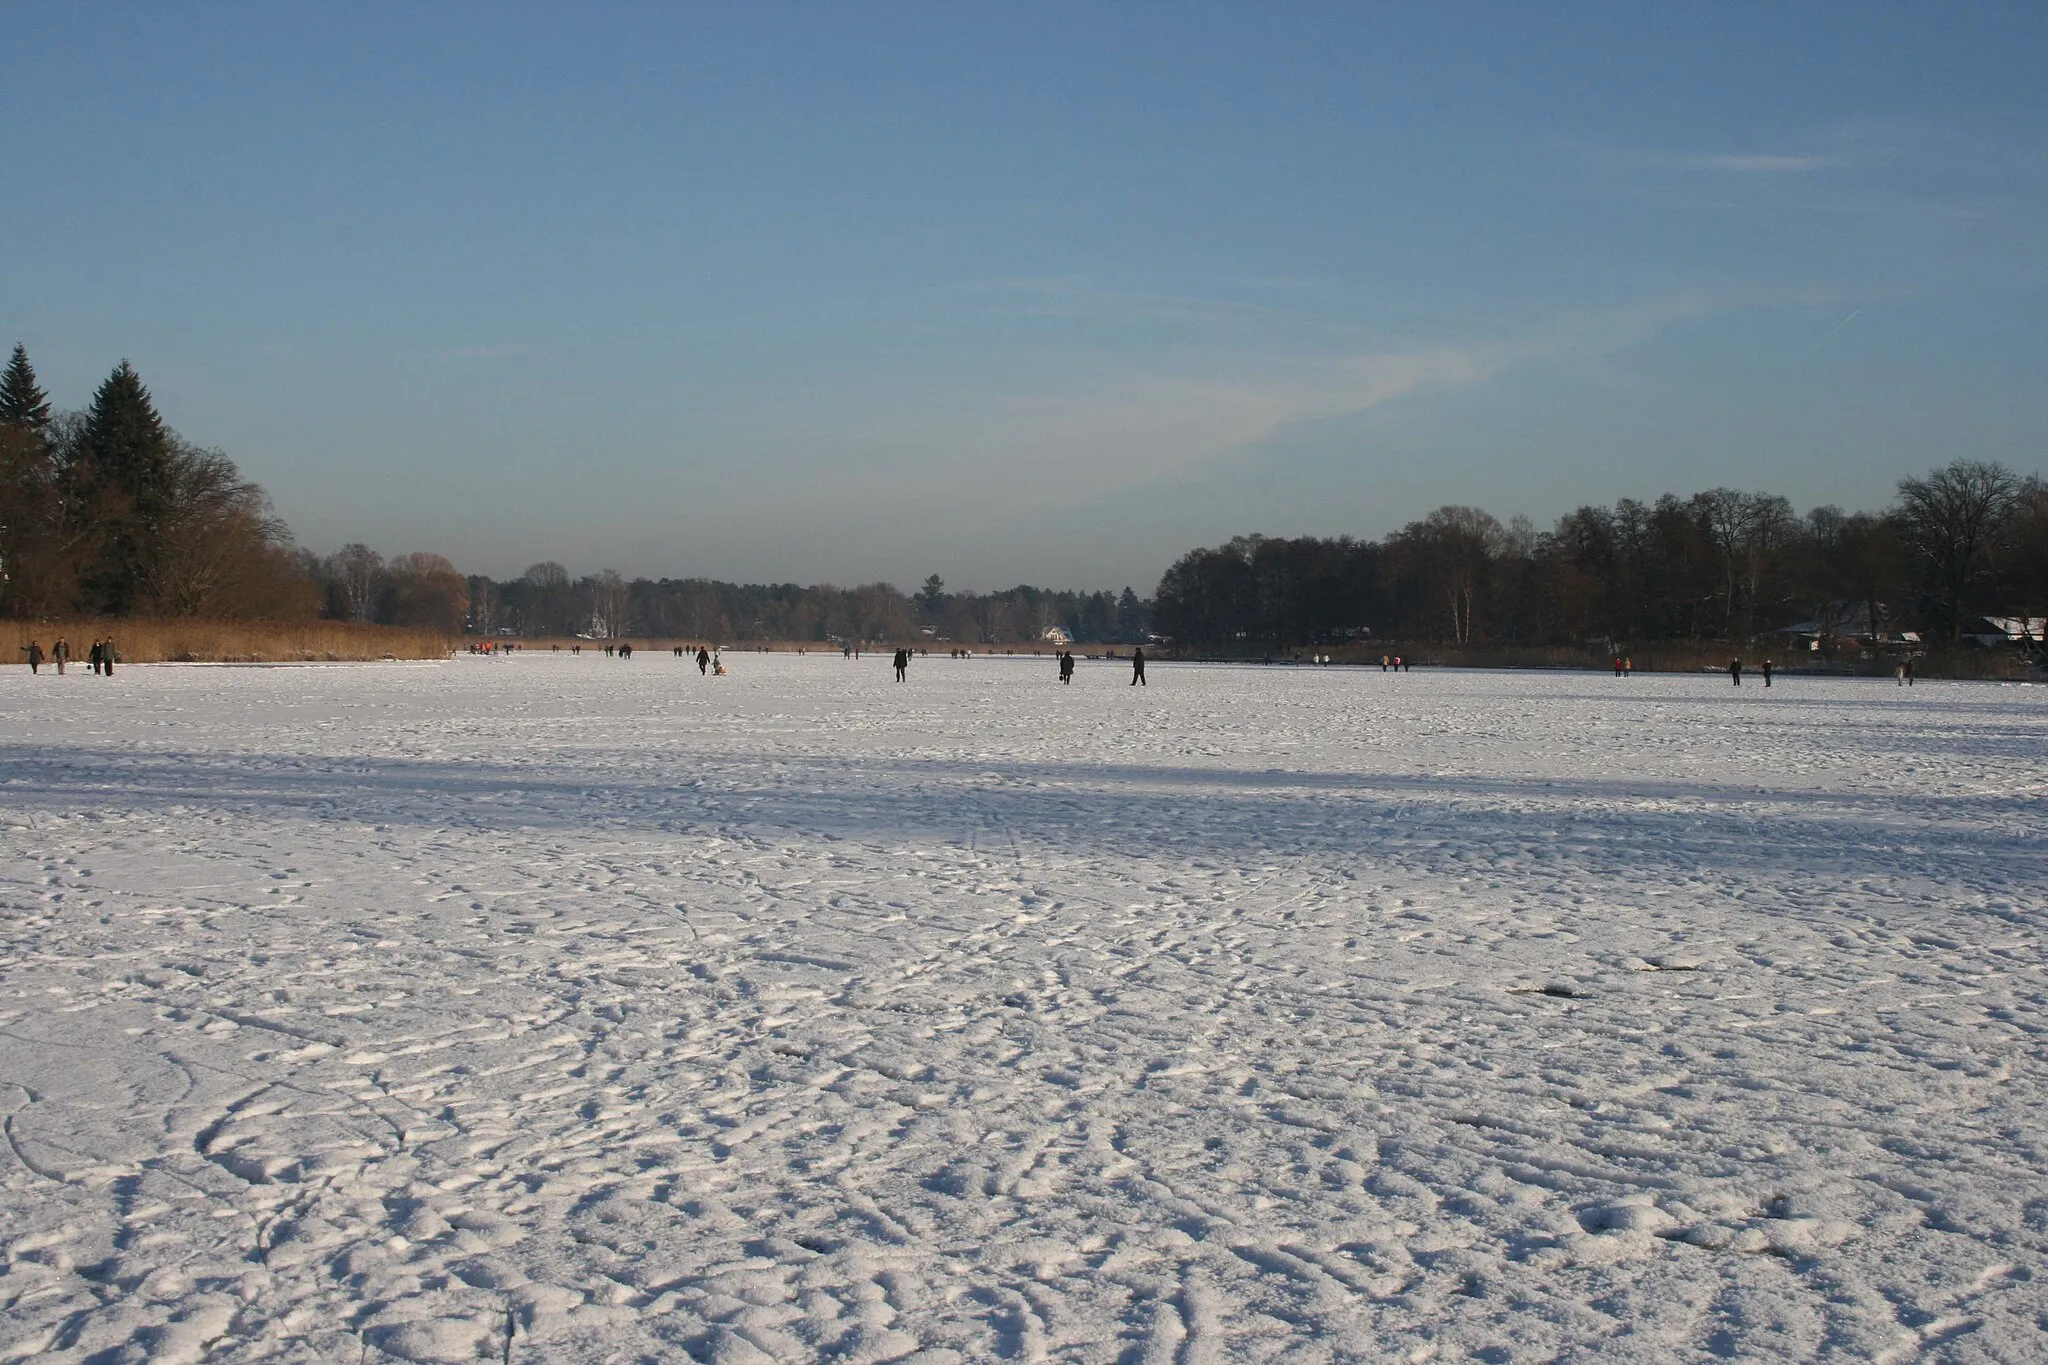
(1843, 323)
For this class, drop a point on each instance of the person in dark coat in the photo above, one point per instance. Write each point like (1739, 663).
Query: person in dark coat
(107, 657)
(1066, 667)
(1735, 671)
(1138, 667)
(1768, 666)
(902, 664)
(703, 659)
(35, 656)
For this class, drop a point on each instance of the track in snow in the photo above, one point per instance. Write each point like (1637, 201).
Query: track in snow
(359, 1012)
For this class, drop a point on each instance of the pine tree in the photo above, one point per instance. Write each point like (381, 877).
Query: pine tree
(127, 439)
(34, 575)
(126, 487)
(21, 401)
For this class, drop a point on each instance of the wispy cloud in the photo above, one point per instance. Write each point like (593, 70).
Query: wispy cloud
(1006, 454)
(1757, 163)
(1682, 160)
(1078, 298)
(502, 351)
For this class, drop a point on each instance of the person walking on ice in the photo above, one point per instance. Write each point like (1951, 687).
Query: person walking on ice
(902, 664)
(1768, 666)
(1735, 671)
(703, 660)
(35, 655)
(1138, 667)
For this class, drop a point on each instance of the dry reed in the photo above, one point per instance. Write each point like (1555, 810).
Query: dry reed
(149, 640)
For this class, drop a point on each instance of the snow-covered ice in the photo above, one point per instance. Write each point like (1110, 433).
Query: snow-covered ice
(360, 1013)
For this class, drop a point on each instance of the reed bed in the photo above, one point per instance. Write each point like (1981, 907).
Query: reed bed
(150, 640)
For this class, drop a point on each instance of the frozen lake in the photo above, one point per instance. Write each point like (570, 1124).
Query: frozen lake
(358, 1013)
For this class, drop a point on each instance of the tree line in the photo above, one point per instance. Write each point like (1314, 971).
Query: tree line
(546, 601)
(107, 511)
(1966, 540)
(110, 512)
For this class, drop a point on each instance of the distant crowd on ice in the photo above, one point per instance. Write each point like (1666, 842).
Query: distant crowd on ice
(711, 662)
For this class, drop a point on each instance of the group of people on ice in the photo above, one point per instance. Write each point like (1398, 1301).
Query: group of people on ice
(101, 657)
(1066, 662)
(707, 662)
(901, 664)
(1735, 671)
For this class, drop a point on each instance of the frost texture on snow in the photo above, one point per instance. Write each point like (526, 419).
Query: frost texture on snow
(375, 1012)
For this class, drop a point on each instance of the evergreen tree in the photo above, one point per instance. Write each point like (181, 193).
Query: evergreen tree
(128, 441)
(124, 487)
(21, 401)
(1130, 618)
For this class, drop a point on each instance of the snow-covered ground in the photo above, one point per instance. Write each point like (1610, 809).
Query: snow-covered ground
(353, 1013)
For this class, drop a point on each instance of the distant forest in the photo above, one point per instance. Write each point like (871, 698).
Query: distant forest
(109, 512)
(545, 601)
(1962, 543)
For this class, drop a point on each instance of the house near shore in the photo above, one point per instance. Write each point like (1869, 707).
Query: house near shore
(1992, 631)
(1847, 621)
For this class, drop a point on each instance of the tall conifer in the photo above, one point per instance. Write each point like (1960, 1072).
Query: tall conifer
(128, 440)
(21, 400)
(127, 486)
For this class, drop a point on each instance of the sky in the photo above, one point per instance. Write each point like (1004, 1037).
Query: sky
(1038, 293)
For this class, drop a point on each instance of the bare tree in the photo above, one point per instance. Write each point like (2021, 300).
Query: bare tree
(2028, 561)
(214, 538)
(424, 590)
(356, 568)
(1451, 552)
(609, 599)
(483, 605)
(1950, 520)
(1748, 531)
(552, 606)
(547, 574)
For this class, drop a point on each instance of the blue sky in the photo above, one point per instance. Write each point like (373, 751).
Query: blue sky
(1046, 294)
